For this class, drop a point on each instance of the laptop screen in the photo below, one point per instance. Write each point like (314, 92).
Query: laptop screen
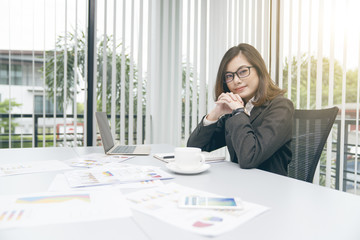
(105, 132)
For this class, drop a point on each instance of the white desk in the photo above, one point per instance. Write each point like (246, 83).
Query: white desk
(298, 210)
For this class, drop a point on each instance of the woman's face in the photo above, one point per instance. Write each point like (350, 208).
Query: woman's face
(247, 86)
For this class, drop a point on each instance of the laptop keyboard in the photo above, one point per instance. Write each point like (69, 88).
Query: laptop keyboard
(124, 149)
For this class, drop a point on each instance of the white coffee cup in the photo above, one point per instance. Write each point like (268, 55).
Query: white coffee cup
(188, 158)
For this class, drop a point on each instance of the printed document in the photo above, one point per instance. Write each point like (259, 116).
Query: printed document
(162, 203)
(96, 160)
(60, 184)
(32, 167)
(111, 174)
(63, 207)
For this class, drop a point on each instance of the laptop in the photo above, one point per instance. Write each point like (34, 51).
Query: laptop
(108, 142)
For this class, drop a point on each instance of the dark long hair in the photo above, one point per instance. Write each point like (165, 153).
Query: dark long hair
(267, 89)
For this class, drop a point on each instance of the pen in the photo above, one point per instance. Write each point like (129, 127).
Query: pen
(169, 156)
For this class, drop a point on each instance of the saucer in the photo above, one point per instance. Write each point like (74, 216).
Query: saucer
(176, 169)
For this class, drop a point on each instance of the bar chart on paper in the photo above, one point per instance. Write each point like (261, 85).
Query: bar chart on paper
(54, 199)
(55, 208)
(115, 174)
(11, 215)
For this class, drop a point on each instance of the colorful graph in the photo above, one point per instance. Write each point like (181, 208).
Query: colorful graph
(11, 215)
(200, 224)
(207, 222)
(147, 182)
(213, 219)
(20, 215)
(54, 199)
(108, 174)
(154, 175)
(2, 216)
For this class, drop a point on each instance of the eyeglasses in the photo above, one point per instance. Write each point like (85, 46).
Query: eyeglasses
(242, 72)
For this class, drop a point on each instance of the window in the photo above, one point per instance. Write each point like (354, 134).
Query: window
(16, 75)
(21, 74)
(49, 105)
(4, 74)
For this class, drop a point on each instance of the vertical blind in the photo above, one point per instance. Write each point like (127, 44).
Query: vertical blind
(40, 35)
(319, 69)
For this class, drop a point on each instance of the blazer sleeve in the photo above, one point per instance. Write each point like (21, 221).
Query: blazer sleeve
(256, 142)
(208, 138)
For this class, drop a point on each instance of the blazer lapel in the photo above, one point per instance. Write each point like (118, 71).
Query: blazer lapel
(255, 112)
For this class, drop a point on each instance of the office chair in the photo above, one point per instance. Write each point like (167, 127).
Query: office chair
(310, 132)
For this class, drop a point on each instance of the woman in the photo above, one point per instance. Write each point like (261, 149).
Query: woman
(251, 116)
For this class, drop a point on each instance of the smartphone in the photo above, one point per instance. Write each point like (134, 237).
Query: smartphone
(210, 202)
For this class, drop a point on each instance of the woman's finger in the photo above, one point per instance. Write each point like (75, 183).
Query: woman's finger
(232, 96)
(221, 96)
(239, 98)
(224, 97)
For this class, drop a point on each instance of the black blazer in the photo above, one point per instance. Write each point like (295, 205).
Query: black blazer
(260, 141)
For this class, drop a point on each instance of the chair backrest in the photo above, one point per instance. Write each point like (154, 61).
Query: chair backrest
(311, 129)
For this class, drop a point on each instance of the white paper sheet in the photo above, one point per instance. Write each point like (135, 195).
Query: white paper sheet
(162, 203)
(102, 156)
(53, 208)
(32, 167)
(111, 175)
(60, 184)
(210, 157)
(96, 160)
